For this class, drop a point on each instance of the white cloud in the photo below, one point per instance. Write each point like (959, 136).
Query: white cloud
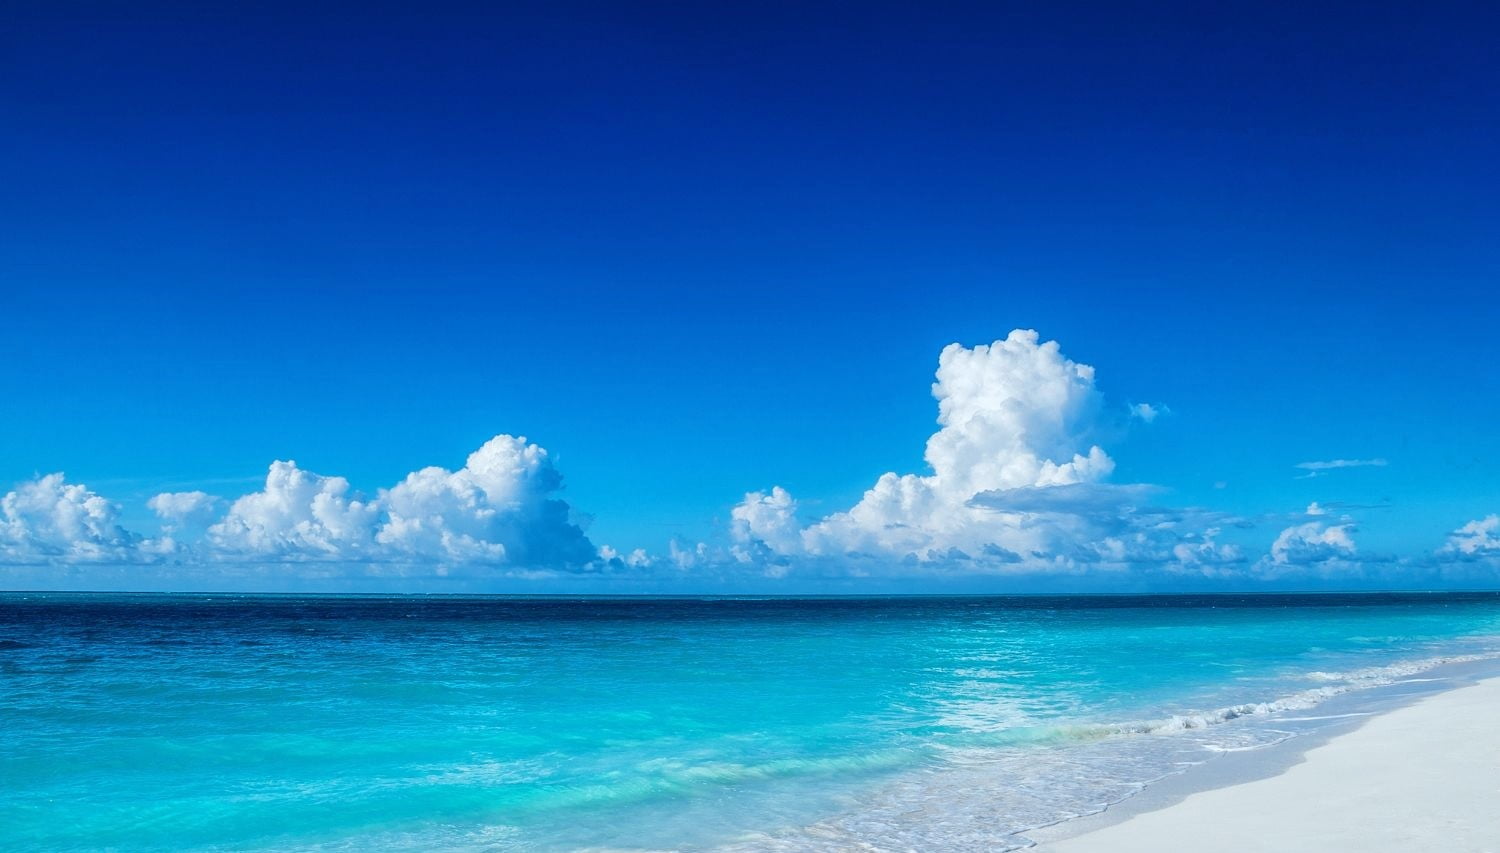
(1332, 464)
(297, 514)
(183, 507)
(1147, 412)
(637, 559)
(497, 508)
(50, 519)
(1480, 537)
(1016, 485)
(1011, 414)
(1204, 552)
(1313, 542)
(766, 521)
(690, 557)
(1015, 482)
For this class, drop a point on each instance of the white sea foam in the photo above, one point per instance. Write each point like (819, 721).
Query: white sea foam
(1340, 683)
(987, 798)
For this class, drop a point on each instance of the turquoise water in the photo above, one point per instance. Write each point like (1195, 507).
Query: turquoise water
(267, 722)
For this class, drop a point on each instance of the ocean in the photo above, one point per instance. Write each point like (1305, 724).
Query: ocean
(244, 722)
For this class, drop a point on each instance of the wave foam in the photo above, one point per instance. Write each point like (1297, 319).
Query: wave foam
(1345, 682)
(990, 798)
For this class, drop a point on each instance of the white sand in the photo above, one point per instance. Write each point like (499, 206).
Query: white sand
(1424, 777)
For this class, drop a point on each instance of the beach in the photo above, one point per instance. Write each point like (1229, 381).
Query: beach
(1421, 777)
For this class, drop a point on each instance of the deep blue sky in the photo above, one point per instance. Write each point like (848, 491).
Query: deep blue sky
(697, 250)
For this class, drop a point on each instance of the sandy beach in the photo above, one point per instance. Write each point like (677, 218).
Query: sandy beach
(1421, 777)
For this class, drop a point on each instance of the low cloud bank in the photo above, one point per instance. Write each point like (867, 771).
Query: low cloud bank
(499, 509)
(1018, 484)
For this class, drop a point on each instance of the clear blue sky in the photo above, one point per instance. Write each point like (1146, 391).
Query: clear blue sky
(695, 252)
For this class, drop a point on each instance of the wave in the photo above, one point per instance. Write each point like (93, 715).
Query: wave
(1344, 682)
(987, 798)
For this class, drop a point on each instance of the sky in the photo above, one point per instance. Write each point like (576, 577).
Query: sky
(710, 263)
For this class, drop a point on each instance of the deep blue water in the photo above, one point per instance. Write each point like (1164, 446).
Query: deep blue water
(153, 722)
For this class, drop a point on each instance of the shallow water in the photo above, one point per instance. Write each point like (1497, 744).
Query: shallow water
(491, 723)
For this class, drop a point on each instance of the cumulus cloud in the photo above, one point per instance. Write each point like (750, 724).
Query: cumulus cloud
(297, 514)
(1147, 412)
(1478, 538)
(1011, 414)
(50, 519)
(636, 559)
(1016, 480)
(1313, 542)
(1204, 553)
(498, 507)
(183, 507)
(766, 522)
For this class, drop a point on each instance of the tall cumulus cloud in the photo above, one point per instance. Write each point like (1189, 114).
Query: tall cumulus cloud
(1016, 481)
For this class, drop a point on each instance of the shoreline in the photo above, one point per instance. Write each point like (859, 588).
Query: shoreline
(967, 806)
(1392, 767)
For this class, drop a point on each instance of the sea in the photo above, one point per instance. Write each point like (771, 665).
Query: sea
(491, 723)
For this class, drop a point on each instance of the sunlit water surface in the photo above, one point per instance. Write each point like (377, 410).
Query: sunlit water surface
(486, 723)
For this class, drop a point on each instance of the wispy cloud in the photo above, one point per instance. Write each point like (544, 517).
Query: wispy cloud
(1331, 464)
